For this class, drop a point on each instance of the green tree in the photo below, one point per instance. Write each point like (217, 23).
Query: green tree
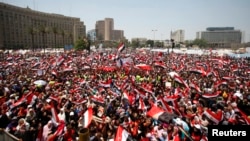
(188, 43)
(44, 31)
(200, 42)
(55, 32)
(158, 44)
(63, 35)
(32, 32)
(150, 42)
(71, 38)
(81, 44)
(135, 43)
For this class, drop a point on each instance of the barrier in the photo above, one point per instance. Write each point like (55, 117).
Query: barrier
(5, 136)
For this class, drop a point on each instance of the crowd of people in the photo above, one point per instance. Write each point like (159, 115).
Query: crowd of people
(153, 96)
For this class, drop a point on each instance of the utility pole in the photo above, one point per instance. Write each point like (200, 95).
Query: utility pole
(154, 30)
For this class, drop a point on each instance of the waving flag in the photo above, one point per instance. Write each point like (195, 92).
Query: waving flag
(211, 95)
(54, 113)
(121, 134)
(141, 104)
(215, 117)
(87, 117)
(159, 114)
(121, 47)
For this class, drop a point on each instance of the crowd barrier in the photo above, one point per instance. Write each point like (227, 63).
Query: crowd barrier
(5, 136)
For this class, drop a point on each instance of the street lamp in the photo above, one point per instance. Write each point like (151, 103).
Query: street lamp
(154, 30)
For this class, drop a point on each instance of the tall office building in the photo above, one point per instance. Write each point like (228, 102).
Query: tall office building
(178, 36)
(109, 27)
(220, 36)
(105, 30)
(100, 30)
(92, 34)
(27, 28)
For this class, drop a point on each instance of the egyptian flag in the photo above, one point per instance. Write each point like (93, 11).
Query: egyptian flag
(160, 64)
(98, 100)
(165, 105)
(216, 117)
(122, 134)
(181, 81)
(195, 86)
(54, 113)
(80, 101)
(121, 47)
(159, 114)
(21, 100)
(106, 84)
(141, 104)
(87, 117)
(216, 94)
(128, 97)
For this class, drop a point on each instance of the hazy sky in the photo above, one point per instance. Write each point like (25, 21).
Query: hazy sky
(139, 17)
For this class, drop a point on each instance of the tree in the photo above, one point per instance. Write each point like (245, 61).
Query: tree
(135, 43)
(32, 32)
(188, 43)
(150, 42)
(43, 30)
(63, 35)
(81, 44)
(200, 42)
(71, 38)
(55, 32)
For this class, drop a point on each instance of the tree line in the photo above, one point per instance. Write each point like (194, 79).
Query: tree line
(44, 31)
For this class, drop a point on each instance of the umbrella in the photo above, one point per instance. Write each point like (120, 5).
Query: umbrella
(40, 82)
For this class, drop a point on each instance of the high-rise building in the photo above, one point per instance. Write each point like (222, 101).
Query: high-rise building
(109, 28)
(100, 30)
(178, 36)
(27, 28)
(105, 30)
(220, 36)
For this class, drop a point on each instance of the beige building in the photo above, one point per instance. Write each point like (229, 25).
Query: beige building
(26, 28)
(178, 36)
(105, 30)
(118, 35)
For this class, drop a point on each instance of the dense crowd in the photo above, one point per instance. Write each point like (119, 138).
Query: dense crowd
(41, 92)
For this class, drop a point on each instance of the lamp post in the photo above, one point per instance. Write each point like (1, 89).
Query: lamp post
(154, 30)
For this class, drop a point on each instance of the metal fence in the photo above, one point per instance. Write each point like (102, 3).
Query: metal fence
(5, 136)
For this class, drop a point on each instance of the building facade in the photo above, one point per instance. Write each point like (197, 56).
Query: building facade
(109, 28)
(118, 35)
(24, 28)
(105, 30)
(92, 34)
(220, 36)
(178, 36)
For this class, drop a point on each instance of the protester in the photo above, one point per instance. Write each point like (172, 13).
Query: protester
(53, 96)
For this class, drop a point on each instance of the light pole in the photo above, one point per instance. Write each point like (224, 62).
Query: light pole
(154, 30)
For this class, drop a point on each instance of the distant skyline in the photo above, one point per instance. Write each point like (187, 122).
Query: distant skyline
(139, 17)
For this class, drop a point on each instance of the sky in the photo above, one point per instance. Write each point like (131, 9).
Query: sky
(151, 19)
